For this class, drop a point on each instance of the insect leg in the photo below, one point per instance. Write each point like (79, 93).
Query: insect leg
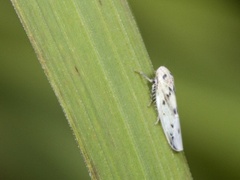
(145, 76)
(158, 120)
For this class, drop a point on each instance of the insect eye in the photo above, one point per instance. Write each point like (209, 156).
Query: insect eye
(154, 81)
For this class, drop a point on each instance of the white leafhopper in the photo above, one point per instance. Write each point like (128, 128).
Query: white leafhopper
(163, 94)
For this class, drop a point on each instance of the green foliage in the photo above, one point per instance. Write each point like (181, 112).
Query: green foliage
(89, 51)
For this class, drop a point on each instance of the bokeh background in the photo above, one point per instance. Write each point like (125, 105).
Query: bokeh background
(199, 41)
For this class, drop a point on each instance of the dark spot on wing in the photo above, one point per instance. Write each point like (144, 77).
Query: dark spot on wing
(175, 111)
(172, 125)
(164, 76)
(170, 89)
(163, 102)
(178, 131)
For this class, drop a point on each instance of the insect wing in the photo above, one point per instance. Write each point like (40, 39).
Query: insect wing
(170, 122)
(167, 108)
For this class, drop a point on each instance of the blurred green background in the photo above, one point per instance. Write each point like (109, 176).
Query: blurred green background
(199, 41)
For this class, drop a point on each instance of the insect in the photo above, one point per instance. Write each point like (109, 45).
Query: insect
(163, 95)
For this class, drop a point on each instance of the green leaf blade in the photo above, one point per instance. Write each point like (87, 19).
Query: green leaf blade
(89, 51)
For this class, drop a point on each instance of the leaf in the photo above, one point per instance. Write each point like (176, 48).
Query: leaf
(89, 51)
